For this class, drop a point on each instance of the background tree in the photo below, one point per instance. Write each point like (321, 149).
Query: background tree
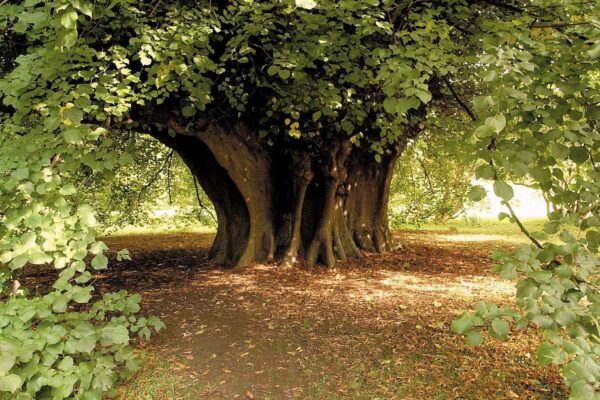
(433, 179)
(155, 189)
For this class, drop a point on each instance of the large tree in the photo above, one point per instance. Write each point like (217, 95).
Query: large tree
(287, 115)
(290, 115)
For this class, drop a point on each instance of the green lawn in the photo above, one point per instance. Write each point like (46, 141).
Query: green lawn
(483, 226)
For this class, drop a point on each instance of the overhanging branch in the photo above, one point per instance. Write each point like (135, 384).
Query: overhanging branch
(460, 102)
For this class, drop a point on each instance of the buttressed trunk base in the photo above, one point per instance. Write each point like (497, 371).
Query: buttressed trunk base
(292, 206)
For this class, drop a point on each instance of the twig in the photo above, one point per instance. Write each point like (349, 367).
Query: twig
(594, 166)
(169, 180)
(154, 178)
(55, 160)
(155, 8)
(458, 99)
(563, 25)
(15, 284)
(426, 175)
(200, 204)
(521, 226)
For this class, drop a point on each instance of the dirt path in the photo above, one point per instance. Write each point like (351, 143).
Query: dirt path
(378, 328)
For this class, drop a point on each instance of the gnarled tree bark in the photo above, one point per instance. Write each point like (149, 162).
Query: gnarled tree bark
(321, 207)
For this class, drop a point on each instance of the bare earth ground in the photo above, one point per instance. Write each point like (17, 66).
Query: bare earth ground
(375, 328)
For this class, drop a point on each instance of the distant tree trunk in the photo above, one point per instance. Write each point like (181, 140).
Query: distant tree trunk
(320, 208)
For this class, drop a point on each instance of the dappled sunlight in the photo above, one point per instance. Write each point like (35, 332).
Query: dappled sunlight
(383, 320)
(475, 238)
(466, 288)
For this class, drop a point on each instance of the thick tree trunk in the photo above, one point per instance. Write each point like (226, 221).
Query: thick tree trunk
(288, 204)
(368, 188)
(302, 175)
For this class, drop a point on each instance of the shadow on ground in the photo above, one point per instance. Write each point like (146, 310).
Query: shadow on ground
(373, 328)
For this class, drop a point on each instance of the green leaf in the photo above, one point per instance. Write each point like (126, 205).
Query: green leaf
(394, 105)
(389, 104)
(65, 364)
(100, 262)
(306, 4)
(68, 190)
(497, 122)
(405, 104)
(85, 8)
(578, 154)
(123, 254)
(10, 383)
(481, 102)
(59, 305)
(68, 19)
(425, 96)
(72, 135)
(69, 39)
(144, 59)
(565, 316)
(594, 52)
(593, 238)
(485, 172)
(551, 227)
(85, 344)
(499, 329)
(547, 353)
(115, 334)
(462, 324)
(39, 258)
(98, 247)
(476, 193)
(543, 321)
(188, 111)
(474, 339)
(81, 295)
(21, 174)
(7, 360)
(484, 131)
(503, 190)
(283, 73)
(581, 390)
(540, 277)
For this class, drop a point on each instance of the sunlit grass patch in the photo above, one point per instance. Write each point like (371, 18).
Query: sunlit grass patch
(159, 379)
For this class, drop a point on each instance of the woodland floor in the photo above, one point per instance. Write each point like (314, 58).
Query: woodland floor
(375, 328)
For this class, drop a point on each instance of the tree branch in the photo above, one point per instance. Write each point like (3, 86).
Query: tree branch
(521, 226)
(200, 204)
(463, 105)
(561, 25)
(422, 164)
(154, 178)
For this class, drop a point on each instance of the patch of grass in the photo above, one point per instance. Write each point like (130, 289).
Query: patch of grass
(471, 226)
(482, 226)
(159, 230)
(158, 379)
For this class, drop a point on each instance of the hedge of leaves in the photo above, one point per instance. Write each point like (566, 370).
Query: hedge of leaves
(538, 123)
